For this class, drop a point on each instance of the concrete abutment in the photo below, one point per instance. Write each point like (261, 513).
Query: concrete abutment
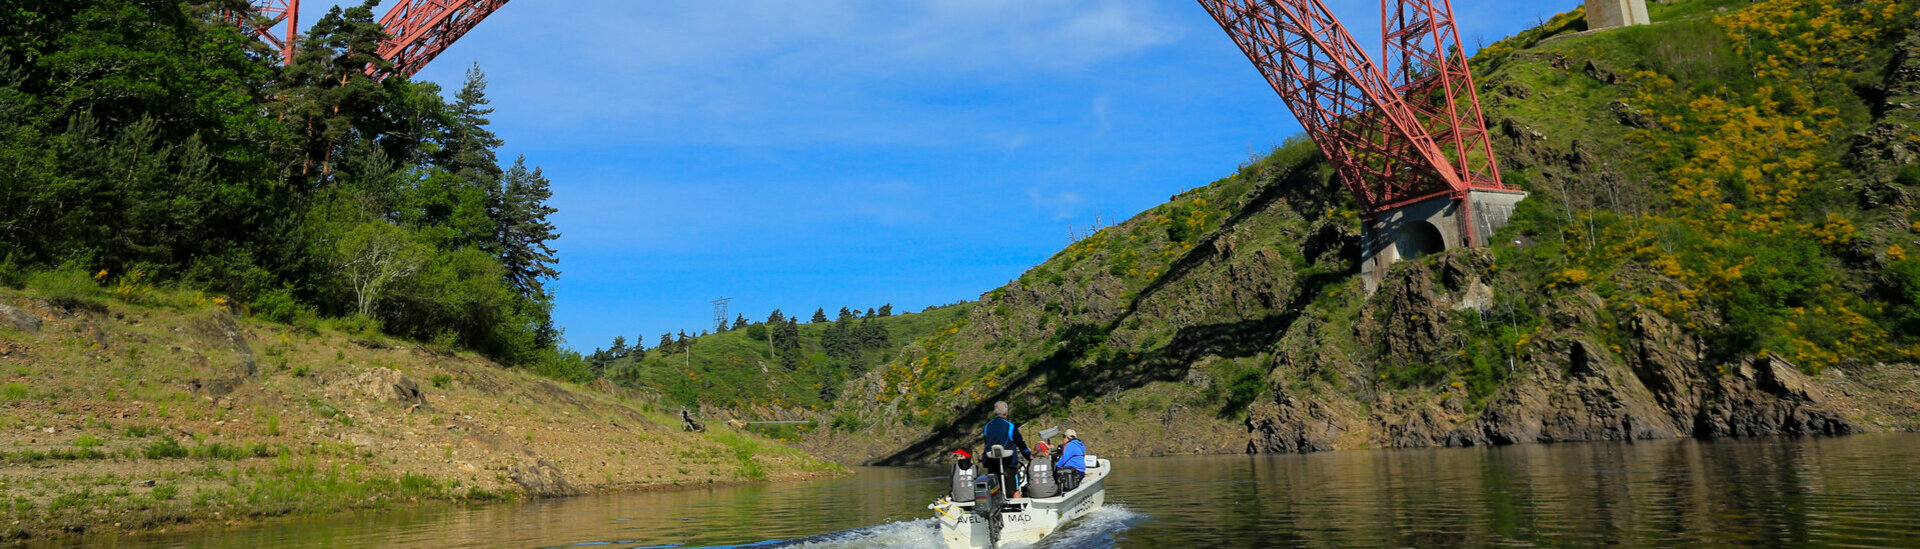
(1432, 226)
(1607, 14)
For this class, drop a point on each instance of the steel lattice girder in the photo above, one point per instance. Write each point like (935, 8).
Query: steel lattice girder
(422, 29)
(1383, 138)
(267, 15)
(1423, 60)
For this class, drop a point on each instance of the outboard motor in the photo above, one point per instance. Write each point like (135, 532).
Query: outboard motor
(1040, 480)
(963, 472)
(988, 498)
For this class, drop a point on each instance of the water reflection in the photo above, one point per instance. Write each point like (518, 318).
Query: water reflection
(1857, 490)
(1862, 490)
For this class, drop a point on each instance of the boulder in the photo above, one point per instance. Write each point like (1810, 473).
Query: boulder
(541, 479)
(19, 320)
(385, 385)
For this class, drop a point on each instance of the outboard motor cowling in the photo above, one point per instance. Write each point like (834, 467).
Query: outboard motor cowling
(987, 496)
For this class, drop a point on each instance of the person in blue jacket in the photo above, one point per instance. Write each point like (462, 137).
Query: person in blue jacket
(1072, 465)
(1003, 432)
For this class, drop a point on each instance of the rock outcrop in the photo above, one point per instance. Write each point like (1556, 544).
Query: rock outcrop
(384, 385)
(541, 479)
(1569, 387)
(19, 320)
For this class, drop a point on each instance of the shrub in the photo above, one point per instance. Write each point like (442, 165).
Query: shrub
(165, 448)
(12, 392)
(68, 286)
(356, 325)
(165, 492)
(280, 305)
(1909, 176)
(11, 274)
(86, 441)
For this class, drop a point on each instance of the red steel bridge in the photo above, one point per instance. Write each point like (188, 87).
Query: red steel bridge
(1400, 131)
(420, 29)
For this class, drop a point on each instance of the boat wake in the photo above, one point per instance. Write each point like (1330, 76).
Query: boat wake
(1098, 529)
(913, 533)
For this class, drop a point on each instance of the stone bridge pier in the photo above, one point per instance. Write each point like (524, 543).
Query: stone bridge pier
(1607, 14)
(1431, 226)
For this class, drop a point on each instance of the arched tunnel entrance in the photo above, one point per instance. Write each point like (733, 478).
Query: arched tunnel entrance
(1418, 239)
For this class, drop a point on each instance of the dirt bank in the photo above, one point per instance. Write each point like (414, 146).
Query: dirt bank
(180, 413)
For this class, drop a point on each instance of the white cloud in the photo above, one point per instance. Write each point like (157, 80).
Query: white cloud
(1060, 205)
(759, 72)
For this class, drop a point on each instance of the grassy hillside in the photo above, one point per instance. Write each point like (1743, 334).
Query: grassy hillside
(137, 408)
(1717, 243)
(741, 369)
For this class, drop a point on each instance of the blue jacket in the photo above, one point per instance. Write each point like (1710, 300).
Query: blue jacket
(1073, 455)
(1003, 432)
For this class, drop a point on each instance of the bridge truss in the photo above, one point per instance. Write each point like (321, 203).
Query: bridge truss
(419, 29)
(1403, 131)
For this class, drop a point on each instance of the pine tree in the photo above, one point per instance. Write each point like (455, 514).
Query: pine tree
(739, 321)
(788, 346)
(886, 310)
(773, 324)
(468, 148)
(819, 315)
(326, 94)
(666, 343)
(619, 347)
(525, 231)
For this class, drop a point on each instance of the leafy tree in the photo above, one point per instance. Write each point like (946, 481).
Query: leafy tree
(372, 257)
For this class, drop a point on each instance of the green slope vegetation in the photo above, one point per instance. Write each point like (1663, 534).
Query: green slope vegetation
(764, 367)
(1718, 239)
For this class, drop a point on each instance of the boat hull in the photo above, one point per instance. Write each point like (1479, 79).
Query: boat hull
(1024, 520)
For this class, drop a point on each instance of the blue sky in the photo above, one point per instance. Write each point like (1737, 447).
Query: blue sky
(828, 153)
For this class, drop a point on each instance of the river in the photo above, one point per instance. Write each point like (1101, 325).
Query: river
(1860, 490)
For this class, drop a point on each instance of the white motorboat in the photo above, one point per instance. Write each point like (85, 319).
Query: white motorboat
(1020, 520)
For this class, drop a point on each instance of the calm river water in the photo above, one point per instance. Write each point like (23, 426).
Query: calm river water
(1861, 491)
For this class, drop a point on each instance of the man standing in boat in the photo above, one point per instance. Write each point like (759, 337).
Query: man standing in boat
(1002, 432)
